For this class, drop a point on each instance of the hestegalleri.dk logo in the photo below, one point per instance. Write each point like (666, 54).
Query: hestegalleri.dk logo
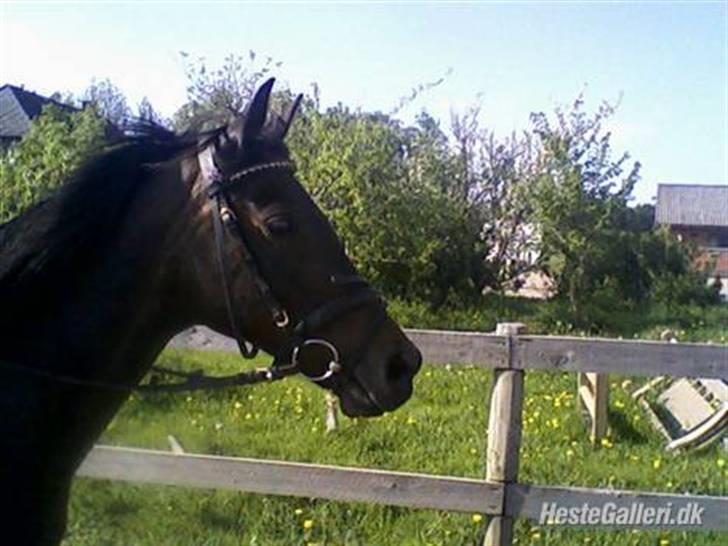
(609, 513)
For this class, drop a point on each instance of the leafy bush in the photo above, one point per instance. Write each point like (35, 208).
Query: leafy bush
(57, 143)
(689, 288)
(402, 227)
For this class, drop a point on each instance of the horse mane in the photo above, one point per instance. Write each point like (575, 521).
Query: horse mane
(83, 216)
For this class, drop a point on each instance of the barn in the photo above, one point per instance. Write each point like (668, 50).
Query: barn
(698, 215)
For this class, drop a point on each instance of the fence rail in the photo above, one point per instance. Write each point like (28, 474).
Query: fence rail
(574, 354)
(339, 483)
(499, 495)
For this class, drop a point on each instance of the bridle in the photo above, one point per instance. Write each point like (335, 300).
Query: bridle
(299, 335)
(288, 359)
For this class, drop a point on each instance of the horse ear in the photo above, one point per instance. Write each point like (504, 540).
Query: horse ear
(257, 112)
(288, 118)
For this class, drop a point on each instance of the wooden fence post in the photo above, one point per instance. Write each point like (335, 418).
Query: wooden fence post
(504, 434)
(593, 390)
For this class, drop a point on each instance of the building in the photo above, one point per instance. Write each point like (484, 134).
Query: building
(699, 215)
(18, 107)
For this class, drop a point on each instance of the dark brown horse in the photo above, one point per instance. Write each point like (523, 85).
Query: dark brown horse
(158, 233)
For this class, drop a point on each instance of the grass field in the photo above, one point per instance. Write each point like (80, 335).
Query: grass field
(441, 430)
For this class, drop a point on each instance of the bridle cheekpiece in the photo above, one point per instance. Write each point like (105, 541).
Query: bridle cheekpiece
(288, 359)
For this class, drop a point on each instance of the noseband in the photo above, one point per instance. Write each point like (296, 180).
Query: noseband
(299, 337)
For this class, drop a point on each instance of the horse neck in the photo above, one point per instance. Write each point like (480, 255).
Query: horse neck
(108, 329)
(118, 313)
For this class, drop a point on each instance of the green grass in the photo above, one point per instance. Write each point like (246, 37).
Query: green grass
(441, 430)
(690, 322)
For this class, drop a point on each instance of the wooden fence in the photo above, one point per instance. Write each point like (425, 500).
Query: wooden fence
(499, 495)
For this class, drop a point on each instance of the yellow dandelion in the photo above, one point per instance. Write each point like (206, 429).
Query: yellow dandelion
(411, 420)
(664, 542)
(308, 524)
(569, 452)
(477, 518)
(607, 443)
(298, 511)
(619, 404)
(473, 451)
(720, 463)
(536, 536)
(238, 405)
(657, 463)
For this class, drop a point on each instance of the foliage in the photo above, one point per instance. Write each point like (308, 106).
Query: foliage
(213, 95)
(146, 112)
(693, 322)
(494, 174)
(675, 290)
(600, 252)
(57, 143)
(108, 100)
(385, 189)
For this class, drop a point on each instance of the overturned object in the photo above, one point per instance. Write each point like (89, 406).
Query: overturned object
(690, 413)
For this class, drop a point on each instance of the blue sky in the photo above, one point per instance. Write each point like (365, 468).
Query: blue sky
(667, 60)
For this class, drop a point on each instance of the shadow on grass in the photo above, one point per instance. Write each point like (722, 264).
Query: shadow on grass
(623, 429)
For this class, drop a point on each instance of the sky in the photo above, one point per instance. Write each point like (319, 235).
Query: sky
(666, 63)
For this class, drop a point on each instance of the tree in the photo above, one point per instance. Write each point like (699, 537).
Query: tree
(383, 187)
(146, 112)
(491, 178)
(214, 95)
(576, 199)
(108, 100)
(57, 143)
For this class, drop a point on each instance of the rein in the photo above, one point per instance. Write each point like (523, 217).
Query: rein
(287, 361)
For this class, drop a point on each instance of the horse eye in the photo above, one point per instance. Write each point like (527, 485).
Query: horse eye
(279, 225)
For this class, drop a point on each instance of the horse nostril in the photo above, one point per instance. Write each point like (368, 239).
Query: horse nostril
(403, 364)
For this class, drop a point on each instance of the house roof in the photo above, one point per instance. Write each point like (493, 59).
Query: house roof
(18, 107)
(692, 205)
